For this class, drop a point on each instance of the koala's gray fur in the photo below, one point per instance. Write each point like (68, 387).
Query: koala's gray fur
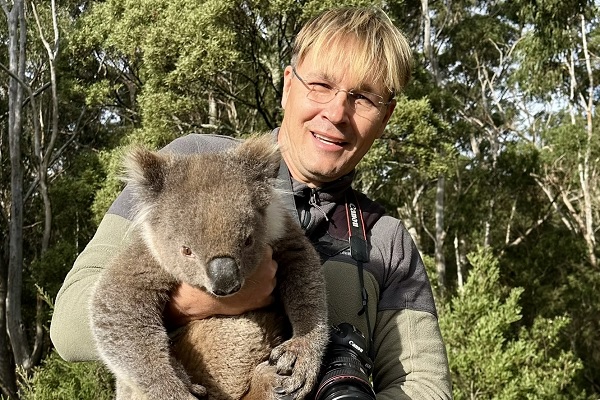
(206, 220)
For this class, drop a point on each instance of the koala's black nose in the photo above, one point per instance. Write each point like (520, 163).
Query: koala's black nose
(224, 274)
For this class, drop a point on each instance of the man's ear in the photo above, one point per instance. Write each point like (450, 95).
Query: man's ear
(386, 117)
(287, 83)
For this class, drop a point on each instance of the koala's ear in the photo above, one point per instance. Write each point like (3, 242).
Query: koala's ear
(261, 155)
(145, 170)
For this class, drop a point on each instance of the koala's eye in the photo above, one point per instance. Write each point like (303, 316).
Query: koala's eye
(186, 251)
(249, 241)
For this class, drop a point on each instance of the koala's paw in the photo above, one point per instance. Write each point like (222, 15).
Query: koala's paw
(198, 392)
(297, 362)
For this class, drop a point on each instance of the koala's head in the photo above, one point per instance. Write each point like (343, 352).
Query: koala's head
(207, 218)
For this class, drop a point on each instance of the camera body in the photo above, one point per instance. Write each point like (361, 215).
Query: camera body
(347, 367)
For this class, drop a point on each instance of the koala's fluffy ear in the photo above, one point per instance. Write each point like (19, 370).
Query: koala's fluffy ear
(261, 155)
(145, 170)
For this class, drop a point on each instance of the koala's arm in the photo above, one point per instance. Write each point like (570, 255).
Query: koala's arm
(70, 329)
(301, 286)
(301, 282)
(126, 318)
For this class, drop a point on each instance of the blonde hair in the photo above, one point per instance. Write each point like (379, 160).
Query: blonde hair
(379, 52)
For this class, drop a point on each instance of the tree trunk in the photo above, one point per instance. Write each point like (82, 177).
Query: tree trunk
(440, 234)
(584, 165)
(461, 262)
(16, 50)
(213, 115)
(44, 150)
(8, 379)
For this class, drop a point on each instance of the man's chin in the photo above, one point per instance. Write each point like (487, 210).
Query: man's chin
(320, 177)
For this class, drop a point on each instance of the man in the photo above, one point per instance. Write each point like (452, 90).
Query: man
(338, 96)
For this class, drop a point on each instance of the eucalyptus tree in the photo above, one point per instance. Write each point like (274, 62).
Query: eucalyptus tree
(564, 84)
(559, 75)
(43, 125)
(513, 86)
(11, 301)
(461, 68)
(526, 75)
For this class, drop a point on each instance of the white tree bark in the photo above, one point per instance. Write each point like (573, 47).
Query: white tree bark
(440, 233)
(584, 159)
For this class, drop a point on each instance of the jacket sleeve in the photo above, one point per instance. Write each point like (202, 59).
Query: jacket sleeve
(70, 329)
(410, 359)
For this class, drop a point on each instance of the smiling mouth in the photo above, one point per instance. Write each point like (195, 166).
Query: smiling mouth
(328, 140)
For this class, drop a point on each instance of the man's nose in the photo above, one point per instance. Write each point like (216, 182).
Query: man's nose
(338, 108)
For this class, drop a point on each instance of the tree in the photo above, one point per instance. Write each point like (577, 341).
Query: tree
(11, 310)
(519, 361)
(38, 141)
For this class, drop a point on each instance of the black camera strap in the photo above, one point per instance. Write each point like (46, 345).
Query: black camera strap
(359, 250)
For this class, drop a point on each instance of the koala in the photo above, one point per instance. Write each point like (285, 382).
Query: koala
(206, 219)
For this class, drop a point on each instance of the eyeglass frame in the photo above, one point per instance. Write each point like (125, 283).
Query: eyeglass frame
(351, 93)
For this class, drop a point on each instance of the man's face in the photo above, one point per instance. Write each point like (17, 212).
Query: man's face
(323, 142)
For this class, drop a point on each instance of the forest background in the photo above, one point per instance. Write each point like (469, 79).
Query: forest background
(491, 161)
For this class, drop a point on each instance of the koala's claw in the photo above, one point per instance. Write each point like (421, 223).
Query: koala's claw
(284, 359)
(297, 366)
(198, 391)
(280, 394)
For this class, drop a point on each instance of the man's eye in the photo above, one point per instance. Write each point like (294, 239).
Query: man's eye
(363, 98)
(320, 86)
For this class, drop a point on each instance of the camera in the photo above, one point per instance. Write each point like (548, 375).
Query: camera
(347, 367)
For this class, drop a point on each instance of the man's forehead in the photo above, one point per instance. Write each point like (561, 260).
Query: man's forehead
(338, 69)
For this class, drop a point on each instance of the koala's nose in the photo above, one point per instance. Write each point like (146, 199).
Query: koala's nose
(224, 274)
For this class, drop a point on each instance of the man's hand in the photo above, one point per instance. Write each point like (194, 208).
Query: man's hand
(189, 303)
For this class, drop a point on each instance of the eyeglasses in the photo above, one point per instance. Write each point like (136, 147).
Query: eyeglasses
(366, 104)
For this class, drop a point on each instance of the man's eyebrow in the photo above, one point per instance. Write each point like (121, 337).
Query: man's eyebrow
(366, 86)
(321, 76)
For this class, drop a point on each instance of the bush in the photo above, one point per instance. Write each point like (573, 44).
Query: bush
(56, 379)
(492, 354)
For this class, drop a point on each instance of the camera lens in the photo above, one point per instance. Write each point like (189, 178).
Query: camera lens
(347, 367)
(344, 383)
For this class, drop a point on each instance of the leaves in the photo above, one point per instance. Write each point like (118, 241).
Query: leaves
(491, 356)
(58, 379)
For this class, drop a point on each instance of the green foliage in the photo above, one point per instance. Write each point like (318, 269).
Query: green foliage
(179, 58)
(566, 142)
(112, 185)
(416, 145)
(58, 379)
(559, 282)
(418, 137)
(538, 74)
(491, 355)
(551, 20)
(171, 56)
